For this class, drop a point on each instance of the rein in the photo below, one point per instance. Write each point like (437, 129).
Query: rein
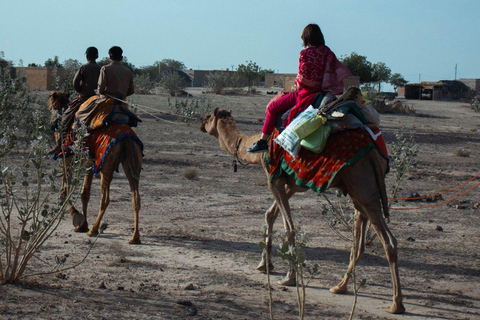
(235, 155)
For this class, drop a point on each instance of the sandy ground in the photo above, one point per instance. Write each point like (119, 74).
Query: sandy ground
(200, 235)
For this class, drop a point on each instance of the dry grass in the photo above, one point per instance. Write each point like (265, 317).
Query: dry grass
(396, 107)
(190, 173)
(462, 152)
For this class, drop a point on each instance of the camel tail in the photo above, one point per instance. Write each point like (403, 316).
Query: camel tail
(380, 178)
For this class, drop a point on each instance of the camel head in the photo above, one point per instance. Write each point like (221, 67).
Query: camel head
(58, 101)
(210, 121)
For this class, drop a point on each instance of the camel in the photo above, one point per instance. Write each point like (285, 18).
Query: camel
(127, 152)
(363, 181)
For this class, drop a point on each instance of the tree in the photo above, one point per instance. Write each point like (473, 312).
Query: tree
(169, 64)
(359, 66)
(125, 63)
(173, 83)
(250, 71)
(53, 63)
(381, 73)
(397, 80)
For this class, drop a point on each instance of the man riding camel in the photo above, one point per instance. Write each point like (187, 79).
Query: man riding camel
(85, 82)
(115, 83)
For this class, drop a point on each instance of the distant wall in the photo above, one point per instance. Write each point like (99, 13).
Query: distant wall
(39, 78)
(199, 77)
(289, 82)
(276, 79)
(473, 84)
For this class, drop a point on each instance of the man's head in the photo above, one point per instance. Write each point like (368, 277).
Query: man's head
(92, 53)
(115, 53)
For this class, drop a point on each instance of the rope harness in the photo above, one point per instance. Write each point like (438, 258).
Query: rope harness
(235, 156)
(440, 193)
(143, 109)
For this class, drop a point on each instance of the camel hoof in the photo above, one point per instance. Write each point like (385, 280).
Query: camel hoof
(396, 308)
(287, 282)
(134, 241)
(338, 290)
(262, 267)
(92, 233)
(82, 229)
(78, 219)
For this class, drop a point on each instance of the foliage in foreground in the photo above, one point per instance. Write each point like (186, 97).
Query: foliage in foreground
(30, 209)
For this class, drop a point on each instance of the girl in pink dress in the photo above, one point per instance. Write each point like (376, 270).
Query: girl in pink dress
(319, 71)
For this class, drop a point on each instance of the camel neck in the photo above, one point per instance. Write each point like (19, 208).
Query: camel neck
(235, 143)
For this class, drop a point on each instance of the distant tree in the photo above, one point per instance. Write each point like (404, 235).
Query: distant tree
(249, 71)
(381, 73)
(359, 66)
(53, 63)
(149, 71)
(71, 66)
(173, 83)
(33, 65)
(125, 63)
(397, 80)
(169, 64)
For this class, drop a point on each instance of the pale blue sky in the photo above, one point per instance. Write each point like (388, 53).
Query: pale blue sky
(418, 39)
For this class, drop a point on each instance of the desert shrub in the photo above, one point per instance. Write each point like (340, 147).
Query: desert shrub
(172, 83)
(30, 209)
(219, 81)
(462, 152)
(395, 107)
(15, 101)
(216, 82)
(189, 109)
(143, 84)
(190, 173)
(475, 104)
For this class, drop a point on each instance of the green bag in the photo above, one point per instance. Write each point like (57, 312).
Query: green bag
(317, 140)
(305, 128)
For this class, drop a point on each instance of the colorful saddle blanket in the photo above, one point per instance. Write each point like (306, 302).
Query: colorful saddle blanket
(101, 140)
(316, 171)
(100, 111)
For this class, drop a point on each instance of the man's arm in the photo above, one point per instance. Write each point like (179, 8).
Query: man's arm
(131, 88)
(102, 81)
(77, 79)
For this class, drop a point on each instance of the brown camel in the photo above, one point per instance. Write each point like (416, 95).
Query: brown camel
(127, 152)
(363, 181)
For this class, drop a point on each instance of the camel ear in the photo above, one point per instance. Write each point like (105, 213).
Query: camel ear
(53, 95)
(215, 112)
(230, 112)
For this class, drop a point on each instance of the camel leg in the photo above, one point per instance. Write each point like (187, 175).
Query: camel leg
(270, 217)
(390, 245)
(106, 179)
(77, 218)
(80, 220)
(133, 177)
(358, 248)
(278, 189)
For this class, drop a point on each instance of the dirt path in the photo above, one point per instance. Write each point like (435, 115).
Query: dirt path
(200, 236)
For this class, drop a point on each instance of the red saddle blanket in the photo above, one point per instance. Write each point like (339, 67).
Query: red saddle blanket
(316, 171)
(101, 140)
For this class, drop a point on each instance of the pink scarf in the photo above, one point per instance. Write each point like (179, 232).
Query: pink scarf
(319, 71)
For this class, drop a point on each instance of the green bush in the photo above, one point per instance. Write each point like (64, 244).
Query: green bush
(143, 84)
(173, 84)
(30, 209)
(476, 104)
